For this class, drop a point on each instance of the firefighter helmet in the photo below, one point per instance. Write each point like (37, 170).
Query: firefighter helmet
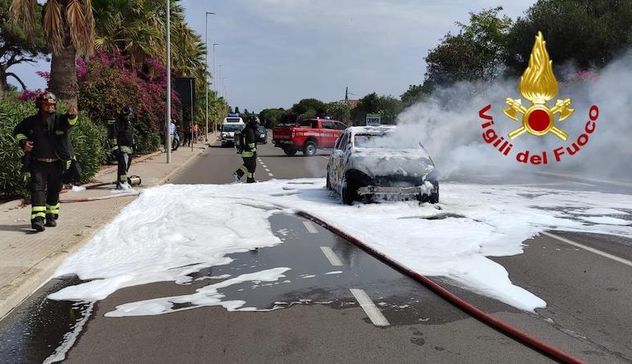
(46, 99)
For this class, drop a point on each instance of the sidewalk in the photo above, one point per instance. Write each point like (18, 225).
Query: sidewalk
(27, 260)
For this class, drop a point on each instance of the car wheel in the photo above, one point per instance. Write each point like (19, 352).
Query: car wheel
(348, 193)
(309, 149)
(289, 151)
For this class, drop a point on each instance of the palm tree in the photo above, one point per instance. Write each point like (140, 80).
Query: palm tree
(69, 29)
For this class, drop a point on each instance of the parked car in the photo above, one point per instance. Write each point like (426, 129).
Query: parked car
(307, 135)
(262, 134)
(367, 162)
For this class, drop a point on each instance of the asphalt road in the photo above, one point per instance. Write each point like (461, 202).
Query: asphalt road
(321, 320)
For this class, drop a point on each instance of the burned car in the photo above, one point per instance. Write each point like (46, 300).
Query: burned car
(369, 162)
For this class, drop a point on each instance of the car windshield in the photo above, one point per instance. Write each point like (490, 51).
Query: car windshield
(231, 128)
(371, 141)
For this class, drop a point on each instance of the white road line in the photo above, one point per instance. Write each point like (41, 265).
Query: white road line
(267, 170)
(310, 227)
(270, 174)
(369, 307)
(331, 256)
(592, 250)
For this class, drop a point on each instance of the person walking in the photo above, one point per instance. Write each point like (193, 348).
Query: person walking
(121, 136)
(248, 148)
(45, 141)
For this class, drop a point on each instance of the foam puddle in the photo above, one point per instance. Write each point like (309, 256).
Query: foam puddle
(173, 231)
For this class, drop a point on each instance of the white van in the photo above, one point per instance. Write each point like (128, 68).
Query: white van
(229, 126)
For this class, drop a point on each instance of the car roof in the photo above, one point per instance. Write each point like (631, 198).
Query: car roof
(376, 130)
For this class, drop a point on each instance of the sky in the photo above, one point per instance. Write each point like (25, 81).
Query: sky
(473, 223)
(274, 53)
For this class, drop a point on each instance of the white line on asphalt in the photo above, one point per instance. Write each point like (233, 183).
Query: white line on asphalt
(267, 170)
(310, 227)
(270, 174)
(592, 250)
(331, 256)
(369, 307)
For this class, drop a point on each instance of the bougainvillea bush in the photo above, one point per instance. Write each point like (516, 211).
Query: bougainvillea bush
(107, 83)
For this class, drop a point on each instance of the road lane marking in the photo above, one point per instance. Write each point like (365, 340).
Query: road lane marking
(310, 227)
(270, 174)
(587, 248)
(369, 307)
(267, 170)
(331, 256)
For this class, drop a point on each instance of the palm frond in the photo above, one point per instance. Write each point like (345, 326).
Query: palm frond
(54, 25)
(81, 26)
(23, 15)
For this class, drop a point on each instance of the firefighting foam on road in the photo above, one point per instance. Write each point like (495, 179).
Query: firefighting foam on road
(452, 239)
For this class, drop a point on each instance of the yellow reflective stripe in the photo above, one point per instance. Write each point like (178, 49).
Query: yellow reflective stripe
(68, 163)
(243, 169)
(38, 214)
(126, 149)
(112, 141)
(247, 154)
(38, 208)
(249, 175)
(52, 209)
(114, 148)
(19, 137)
(123, 178)
(73, 121)
(251, 145)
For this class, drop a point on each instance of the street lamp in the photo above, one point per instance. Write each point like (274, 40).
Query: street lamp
(219, 78)
(214, 88)
(206, 67)
(168, 122)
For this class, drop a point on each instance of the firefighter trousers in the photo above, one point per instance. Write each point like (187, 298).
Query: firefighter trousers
(248, 168)
(46, 184)
(124, 161)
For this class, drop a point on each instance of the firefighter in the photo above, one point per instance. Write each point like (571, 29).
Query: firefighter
(45, 141)
(121, 138)
(247, 146)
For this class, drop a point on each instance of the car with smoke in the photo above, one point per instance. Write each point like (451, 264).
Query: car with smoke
(369, 162)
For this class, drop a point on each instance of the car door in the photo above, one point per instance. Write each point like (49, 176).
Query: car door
(338, 161)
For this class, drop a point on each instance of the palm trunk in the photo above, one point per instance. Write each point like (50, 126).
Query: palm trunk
(63, 77)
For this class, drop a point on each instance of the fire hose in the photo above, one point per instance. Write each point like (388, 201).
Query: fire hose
(131, 180)
(489, 320)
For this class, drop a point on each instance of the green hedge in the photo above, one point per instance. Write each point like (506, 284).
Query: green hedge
(86, 138)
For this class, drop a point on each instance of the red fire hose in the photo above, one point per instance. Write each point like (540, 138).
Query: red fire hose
(501, 326)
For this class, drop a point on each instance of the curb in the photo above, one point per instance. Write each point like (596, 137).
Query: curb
(41, 272)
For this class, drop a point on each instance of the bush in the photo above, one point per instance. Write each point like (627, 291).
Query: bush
(86, 138)
(145, 141)
(12, 112)
(87, 142)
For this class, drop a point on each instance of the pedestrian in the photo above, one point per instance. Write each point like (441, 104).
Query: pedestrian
(196, 132)
(188, 135)
(121, 137)
(247, 146)
(175, 137)
(45, 141)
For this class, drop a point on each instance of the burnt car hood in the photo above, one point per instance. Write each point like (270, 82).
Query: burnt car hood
(376, 162)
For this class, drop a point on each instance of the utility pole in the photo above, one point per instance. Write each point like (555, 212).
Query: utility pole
(206, 71)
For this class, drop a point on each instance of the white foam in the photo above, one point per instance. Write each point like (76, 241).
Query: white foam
(172, 231)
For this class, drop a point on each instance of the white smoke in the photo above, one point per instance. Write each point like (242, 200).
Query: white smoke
(449, 126)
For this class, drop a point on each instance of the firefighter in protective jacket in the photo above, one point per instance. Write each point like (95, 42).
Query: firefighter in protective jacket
(248, 148)
(45, 141)
(121, 138)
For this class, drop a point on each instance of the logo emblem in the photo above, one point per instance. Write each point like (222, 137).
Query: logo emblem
(538, 85)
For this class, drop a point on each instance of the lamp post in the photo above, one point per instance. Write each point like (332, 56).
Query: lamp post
(168, 121)
(219, 78)
(214, 88)
(206, 66)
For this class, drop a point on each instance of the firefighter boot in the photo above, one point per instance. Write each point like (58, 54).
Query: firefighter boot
(50, 220)
(38, 224)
